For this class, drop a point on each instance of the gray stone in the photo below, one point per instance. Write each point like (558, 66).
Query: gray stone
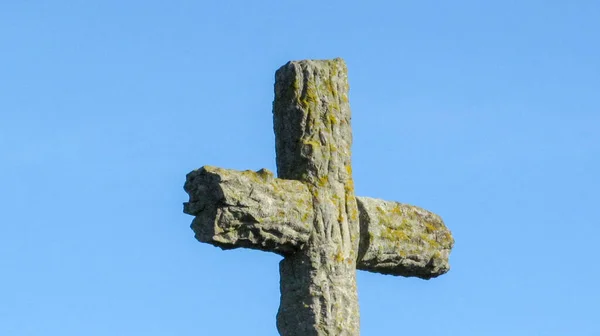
(309, 214)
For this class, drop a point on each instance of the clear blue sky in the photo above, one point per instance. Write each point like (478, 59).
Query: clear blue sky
(485, 112)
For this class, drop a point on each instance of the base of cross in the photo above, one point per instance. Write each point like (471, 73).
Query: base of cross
(309, 214)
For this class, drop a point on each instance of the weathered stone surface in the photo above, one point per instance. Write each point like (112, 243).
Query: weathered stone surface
(309, 214)
(248, 209)
(402, 239)
(313, 139)
(255, 210)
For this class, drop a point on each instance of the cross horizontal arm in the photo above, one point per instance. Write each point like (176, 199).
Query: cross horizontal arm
(402, 239)
(248, 209)
(255, 210)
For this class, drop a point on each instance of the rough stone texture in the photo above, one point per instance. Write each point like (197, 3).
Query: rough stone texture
(248, 209)
(255, 210)
(402, 239)
(313, 139)
(310, 214)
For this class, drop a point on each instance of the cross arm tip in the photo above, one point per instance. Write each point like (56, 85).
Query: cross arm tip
(247, 209)
(401, 239)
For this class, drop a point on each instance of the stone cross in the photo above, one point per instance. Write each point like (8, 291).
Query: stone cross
(309, 213)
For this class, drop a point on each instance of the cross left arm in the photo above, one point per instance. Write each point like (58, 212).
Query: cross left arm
(248, 209)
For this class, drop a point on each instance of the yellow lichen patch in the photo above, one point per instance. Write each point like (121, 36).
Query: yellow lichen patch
(332, 119)
(277, 188)
(323, 181)
(404, 223)
(258, 176)
(340, 218)
(429, 228)
(394, 234)
(339, 257)
(330, 88)
(334, 106)
(310, 97)
(332, 64)
(349, 187)
(312, 143)
(349, 170)
(432, 242)
(354, 214)
(396, 210)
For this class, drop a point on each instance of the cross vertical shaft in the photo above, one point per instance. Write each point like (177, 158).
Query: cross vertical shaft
(313, 145)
